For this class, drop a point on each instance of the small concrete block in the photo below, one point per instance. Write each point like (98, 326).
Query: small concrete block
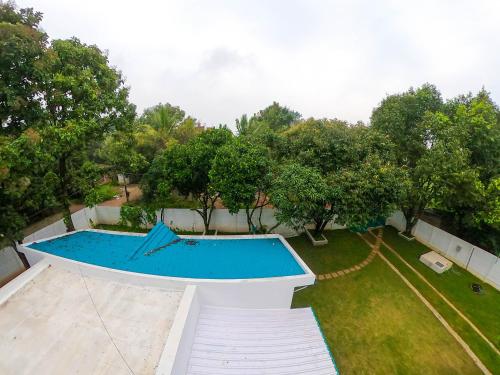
(352, 269)
(341, 273)
(328, 275)
(357, 267)
(335, 274)
(321, 277)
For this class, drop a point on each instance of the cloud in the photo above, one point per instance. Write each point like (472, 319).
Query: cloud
(339, 58)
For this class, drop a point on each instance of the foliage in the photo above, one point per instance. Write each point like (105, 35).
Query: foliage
(163, 117)
(26, 184)
(427, 145)
(101, 193)
(241, 174)
(302, 196)
(23, 47)
(327, 145)
(273, 118)
(186, 169)
(137, 216)
(355, 196)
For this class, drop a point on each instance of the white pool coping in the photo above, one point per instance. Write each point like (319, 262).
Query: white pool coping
(302, 264)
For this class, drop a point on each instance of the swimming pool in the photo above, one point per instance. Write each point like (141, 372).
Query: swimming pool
(200, 258)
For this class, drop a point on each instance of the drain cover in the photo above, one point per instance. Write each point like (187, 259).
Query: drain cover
(476, 288)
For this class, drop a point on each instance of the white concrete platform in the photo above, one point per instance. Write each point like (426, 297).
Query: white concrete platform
(63, 323)
(436, 262)
(252, 341)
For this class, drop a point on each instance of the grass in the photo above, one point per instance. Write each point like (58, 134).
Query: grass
(176, 201)
(483, 310)
(344, 250)
(372, 321)
(489, 358)
(107, 192)
(121, 228)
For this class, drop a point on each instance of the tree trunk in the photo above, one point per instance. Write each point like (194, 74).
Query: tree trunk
(125, 187)
(411, 216)
(21, 256)
(249, 220)
(205, 213)
(70, 227)
(318, 227)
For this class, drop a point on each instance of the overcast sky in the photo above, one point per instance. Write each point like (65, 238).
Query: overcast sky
(219, 59)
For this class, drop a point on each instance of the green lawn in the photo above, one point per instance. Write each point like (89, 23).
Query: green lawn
(372, 321)
(344, 250)
(485, 353)
(483, 310)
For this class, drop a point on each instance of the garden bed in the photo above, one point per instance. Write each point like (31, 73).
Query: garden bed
(320, 240)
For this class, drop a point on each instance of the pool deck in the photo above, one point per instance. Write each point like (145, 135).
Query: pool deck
(62, 322)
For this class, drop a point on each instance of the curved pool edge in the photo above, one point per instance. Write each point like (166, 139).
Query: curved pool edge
(269, 292)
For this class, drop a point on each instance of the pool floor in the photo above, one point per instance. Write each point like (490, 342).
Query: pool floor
(200, 258)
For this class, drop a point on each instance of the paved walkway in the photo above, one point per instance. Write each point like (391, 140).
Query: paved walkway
(375, 248)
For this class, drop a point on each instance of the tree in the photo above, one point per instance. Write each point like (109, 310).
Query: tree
(85, 98)
(301, 196)
(26, 184)
(399, 115)
(119, 150)
(187, 130)
(23, 46)
(353, 196)
(467, 196)
(274, 118)
(163, 117)
(426, 143)
(367, 192)
(241, 174)
(326, 145)
(186, 168)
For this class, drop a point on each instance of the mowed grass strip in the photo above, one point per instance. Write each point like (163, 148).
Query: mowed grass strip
(375, 324)
(483, 351)
(483, 310)
(344, 250)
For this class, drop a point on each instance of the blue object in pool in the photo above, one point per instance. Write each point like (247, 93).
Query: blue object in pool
(157, 238)
(200, 258)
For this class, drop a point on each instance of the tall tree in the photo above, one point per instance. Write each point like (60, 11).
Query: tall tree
(426, 145)
(241, 174)
(353, 196)
(85, 98)
(26, 184)
(23, 46)
(302, 196)
(186, 168)
(163, 117)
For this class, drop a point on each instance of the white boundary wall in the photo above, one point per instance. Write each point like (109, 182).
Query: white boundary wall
(190, 220)
(481, 263)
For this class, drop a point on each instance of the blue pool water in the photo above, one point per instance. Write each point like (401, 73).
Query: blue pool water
(203, 258)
